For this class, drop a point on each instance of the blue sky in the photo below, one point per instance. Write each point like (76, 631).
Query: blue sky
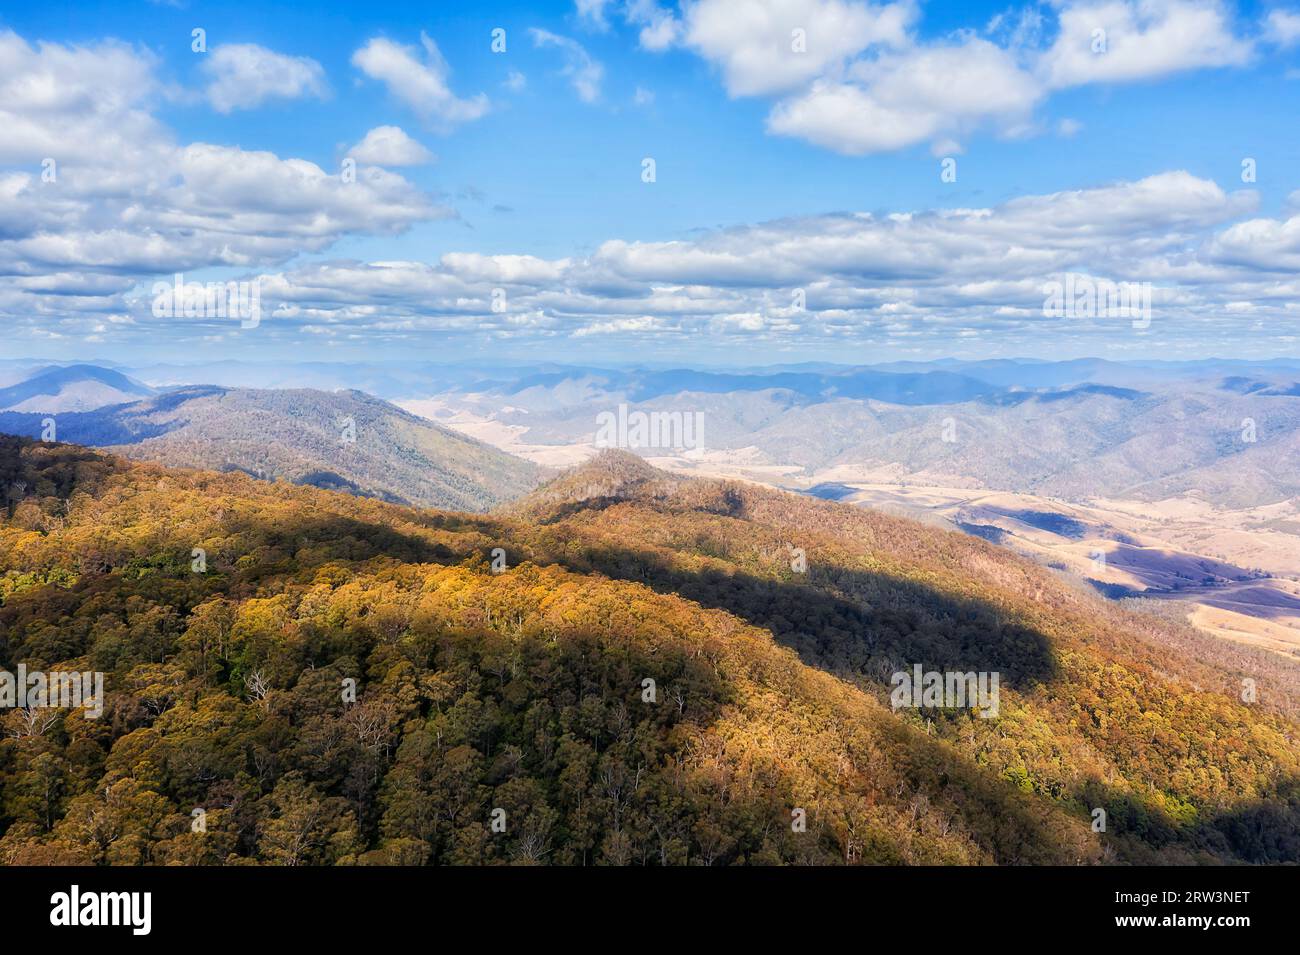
(539, 154)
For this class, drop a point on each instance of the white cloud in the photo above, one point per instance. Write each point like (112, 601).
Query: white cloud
(213, 205)
(515, 81)
(1283, 27)
(390, 146)
(863, 81)
(245, 75)
(74, 103)
(592, 13)
(128, 202)
(473, 267)
(1265, 244)
(659, 28)
(898, 100)
(584, 73)
(420, 83)
(1139, 40)
(640, 323)
(753, 41)
(133, 204)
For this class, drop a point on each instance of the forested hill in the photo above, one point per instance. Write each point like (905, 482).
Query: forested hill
(341, 441)
(502, 712)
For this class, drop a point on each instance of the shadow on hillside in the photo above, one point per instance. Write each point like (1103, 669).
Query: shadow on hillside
(1260, 832)
(313, 541)
(1263, 833)
(844, 621)
(103, 427)
(890, 624)
(848, 622)
(871, 624)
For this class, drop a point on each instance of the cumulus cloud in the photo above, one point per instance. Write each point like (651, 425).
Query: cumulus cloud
(418, 81)
(78, 102)
(755, 45)
(390, 146)
(209, 205)
(1024, 238)
(1268, 245)
(140, 205)
(857, 77)
(245, 75)
(900, 99)
(137, 203)
(659, 29)
(583, 73)
(1120, 41)
(473, 267)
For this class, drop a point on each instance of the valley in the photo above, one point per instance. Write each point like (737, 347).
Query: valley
(1069, 463)
(1217, 536)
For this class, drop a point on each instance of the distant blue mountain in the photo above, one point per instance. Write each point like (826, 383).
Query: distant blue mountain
(913, 388)
(58, 379)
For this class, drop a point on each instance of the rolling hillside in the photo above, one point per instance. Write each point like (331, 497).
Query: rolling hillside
(503, 714)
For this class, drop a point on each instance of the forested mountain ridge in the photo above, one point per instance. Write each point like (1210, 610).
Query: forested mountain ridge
(521, 688)
(344, 441)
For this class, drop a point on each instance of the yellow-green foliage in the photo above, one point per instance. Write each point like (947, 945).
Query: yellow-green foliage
(522, 691)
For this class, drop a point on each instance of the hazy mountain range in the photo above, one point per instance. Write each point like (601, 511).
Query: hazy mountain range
(1081, 429)
(1078, 429)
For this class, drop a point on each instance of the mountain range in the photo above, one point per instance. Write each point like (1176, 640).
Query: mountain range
(1186, 470)
(1077, 430)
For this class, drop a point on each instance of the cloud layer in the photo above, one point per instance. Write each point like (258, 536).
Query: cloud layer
(928, 280)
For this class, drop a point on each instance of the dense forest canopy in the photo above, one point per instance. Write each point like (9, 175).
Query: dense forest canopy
(296, 676)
